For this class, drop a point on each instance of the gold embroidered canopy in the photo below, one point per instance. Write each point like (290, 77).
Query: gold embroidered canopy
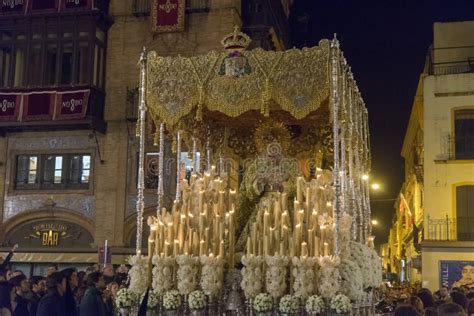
(295, 81)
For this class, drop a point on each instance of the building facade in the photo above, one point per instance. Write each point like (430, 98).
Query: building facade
(439, 165)
(68, 90)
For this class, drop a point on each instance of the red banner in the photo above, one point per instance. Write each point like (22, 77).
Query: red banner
(75, 4)
(71, 105)
(43, 5)
(38, 106)
(13, 6)
(168, 15)
(10, 105)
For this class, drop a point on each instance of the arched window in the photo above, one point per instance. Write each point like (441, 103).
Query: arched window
(465, 212)
(464, 134)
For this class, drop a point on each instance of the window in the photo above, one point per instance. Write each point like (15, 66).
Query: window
(465, 212)
(51, 52)
(464, 134)
(53, 171)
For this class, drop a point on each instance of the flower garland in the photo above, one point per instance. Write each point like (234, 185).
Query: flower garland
(276, 275)
(212, 275)
(171, 300)
(341, 304)
(303, 272)
(263, 302)
(315, 305)
(187, 273)
(351, 280)
(289, 304)
(126, 298)
(162, 274)
(197, 300)
(252, 275)
(138, 274)
(329, 278)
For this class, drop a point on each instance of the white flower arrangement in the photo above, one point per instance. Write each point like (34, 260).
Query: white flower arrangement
(212, 275)
(315, 305)
(276, 275)
(126, 298)
(351, 280)
(341, 304)
(289, 304)
(329, 277)
(263, 302)
(187, 273)
(138, 274)
(153, 299)
(162, 274)
(345, 224)
(368, 262)
(171, 300)
(304, 276)
(197, 300)
(252, 275)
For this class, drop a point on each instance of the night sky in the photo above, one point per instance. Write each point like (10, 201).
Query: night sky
(385, 43)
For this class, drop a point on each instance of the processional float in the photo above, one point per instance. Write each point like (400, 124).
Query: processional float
(284, 144)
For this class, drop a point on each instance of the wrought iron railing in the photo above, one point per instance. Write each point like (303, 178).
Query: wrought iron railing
(450, 229)
(142, 7)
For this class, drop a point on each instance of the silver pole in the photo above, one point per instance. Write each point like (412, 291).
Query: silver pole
(141, 133)
(160, 191)
(178, 165)
(335, 65)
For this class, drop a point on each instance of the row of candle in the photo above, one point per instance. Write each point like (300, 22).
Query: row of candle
(305, 233)
(197, 228)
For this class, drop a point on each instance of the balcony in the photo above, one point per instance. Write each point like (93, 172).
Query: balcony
(44, 109)
(434, 67)
(142, 7)
(450, 229)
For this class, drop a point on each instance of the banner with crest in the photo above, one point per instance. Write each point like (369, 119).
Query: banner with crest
(168, 15)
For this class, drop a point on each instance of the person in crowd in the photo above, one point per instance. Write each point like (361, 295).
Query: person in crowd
(470, 295)
(22, 288)
(52, 304)
(426, 297)
(416, 302)
(108, 273)
(4, 262)
(7, 296)
(431, 311)
(71, 285)
(459, 298)
(92, 304)
(406, 310)
(51, 269)
(38, 289)
(451, 309)
(443, 294)
(470, 307)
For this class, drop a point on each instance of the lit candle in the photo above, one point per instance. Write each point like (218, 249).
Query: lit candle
(170, 233)
(308, 197)
(151, 245)
(282, 249)
(304, 250)
(167, 245)
(314, 218)
(221, 249)
(221, 202)
(265, 246)
(265, 222)
(249, 247)
(316, 246)
(326, 249)
(202, 244)
(299, 191)
(284, 201)
(176, 247)
(231, 239)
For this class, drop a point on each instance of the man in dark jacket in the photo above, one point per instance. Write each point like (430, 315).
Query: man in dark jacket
(52, 304)
(92, 304)
(38, 289)
(22, 288)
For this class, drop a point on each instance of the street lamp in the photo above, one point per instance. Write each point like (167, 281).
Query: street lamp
(375, 222)
(365, 177)
(375, 186)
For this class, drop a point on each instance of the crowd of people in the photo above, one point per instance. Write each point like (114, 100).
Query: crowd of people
(60, 293)
(412, 300)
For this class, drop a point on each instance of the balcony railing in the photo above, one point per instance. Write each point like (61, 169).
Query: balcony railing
(450, 229)
(449, 68)
(142, 7)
